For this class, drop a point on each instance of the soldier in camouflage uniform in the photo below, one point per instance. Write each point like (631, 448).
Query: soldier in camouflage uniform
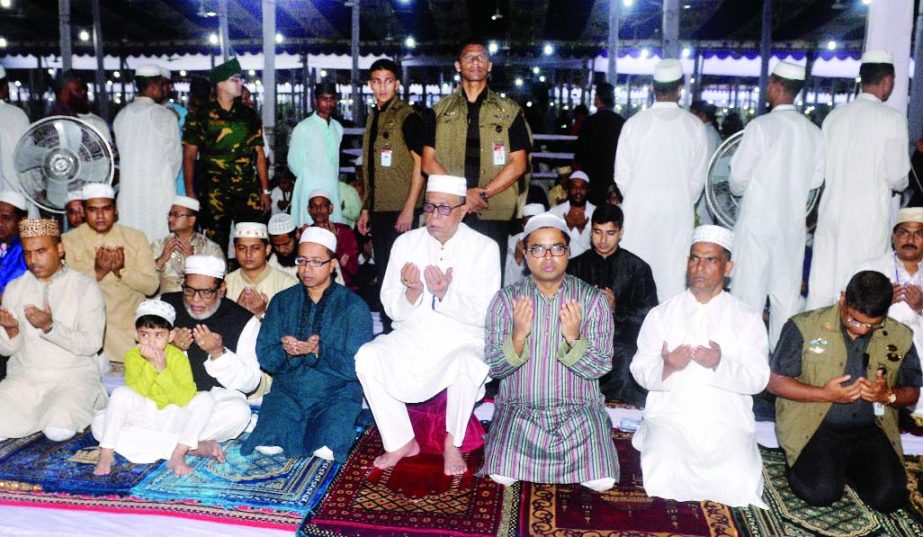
(229, 138)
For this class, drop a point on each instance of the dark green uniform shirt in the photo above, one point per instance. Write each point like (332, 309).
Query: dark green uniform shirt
(226, 140)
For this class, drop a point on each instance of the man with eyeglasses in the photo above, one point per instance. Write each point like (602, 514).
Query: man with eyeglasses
(840, 374)
(702, 355)
(549, 339)
(219, 337)
(439, 281)
(182, 242)
(255, 283)
(308, 343)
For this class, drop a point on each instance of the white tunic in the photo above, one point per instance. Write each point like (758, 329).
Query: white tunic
(513, 272)
(434, 342)
(53, 379)
(150, 155)
(99, 124)
(13, 124)
(660, 168)
(698, 439)
(579, 240)
(780, 159)
(867, 158)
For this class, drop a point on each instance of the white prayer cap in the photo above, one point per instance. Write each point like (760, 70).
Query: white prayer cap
(75, 195)
(319, 235)
(205, 265)
(546, 220)
(910, 214)
(358, 161)
(668, 71)
(532, 209)
(2, 72)
(14, 198)
(877, 56)
(281, 224)
(789, 70)
(447, 184)
(580, 175)
(98, 190)
(164, 72)
(187, 202)
(158, 308)
(148, 71)
(319, 192)
(251, 230)
(721, 236)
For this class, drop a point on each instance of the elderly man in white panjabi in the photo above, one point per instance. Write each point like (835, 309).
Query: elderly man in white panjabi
(438, 284)
(702, 355)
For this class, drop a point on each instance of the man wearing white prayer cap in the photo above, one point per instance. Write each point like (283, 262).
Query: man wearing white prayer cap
(320, 208)
(150, 154)
(514, 268)
(13, 208)
(660, 169)
(73, 208)
(779, 161)
(119, 258)
(701, 356)
(577, 212)
(182, 242)
(255, 283)
(13, 124)
(439, 281)
(867, 160)
(283, 237)
(308, 343)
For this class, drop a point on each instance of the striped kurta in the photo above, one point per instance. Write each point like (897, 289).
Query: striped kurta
(550, 423)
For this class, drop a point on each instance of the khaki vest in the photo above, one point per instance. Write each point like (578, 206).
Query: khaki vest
(496, 116)
(823, 358)
(392, 184)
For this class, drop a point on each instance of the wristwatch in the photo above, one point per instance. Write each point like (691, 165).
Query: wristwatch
(892, 397)
(267, 191)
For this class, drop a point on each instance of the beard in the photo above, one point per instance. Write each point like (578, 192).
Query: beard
(287, 260)
(208, 313)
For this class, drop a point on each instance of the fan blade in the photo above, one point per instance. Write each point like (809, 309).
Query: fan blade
(95, 171)
(70, 136)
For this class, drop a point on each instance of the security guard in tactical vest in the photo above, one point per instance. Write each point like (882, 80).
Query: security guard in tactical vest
(840, 374)
(477, 134)
(391, 147)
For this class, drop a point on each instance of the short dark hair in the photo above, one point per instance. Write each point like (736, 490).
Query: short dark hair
(873, 73)
(606, 93)
(152, 321)
(200, 88)
(144, 82)
(472, 41)
(703, 107)
(666, 88)
(386, 65)
(870, 292)
(791, 87)
(606, 213)
(525, 239)
(325, 88)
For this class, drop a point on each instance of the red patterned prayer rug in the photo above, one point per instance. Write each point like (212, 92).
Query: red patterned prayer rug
(571, 510)
(413, 498)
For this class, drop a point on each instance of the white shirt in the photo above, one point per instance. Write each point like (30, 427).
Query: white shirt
(513, 272)
(660, 168)
(100, 124)
(579, 240)
(698, 436)
(713, 138)
(867, 157)
(13, 124)
(150, 155)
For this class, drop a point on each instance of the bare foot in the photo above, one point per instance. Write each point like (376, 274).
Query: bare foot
(209, 449)
(181, 469)
(453, 463)
(104, 464)
(390, 458)
(177, 461)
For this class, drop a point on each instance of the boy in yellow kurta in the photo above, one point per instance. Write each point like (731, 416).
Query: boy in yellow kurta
(159, 393)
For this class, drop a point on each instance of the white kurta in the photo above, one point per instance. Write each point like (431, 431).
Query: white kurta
(780, 159)
(53, 379)
(579, 240)
(238, 372)
(314, 158)
(698, 436)
(150, 156)
(867, 158)
(434, 344)
(13, 124)
(660, 168)
(99, 124)
(513, 272)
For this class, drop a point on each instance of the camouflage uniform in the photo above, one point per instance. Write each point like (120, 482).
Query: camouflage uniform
(226, 141)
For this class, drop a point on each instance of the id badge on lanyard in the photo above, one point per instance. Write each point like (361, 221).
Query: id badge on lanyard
(499, 154)
(386, 158)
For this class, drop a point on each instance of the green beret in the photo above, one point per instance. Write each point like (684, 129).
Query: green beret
(226, 70)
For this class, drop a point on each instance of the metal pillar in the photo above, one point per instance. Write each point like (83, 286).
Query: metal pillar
(915, 107)
(269, 71)
(306, 82)
(405, 81)
(811, 55)
(224, 36)
(64, 28)
(615, 7)
(670, 29)
(101, 97)
(765, 52)
(354, 51)
(697, 75)
(311, 87)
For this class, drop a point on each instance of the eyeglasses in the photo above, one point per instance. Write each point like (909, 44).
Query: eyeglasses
(204, 294)
(304, 261)
(180, 215)
(443, 210)
(539, 251)
(851, 321)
